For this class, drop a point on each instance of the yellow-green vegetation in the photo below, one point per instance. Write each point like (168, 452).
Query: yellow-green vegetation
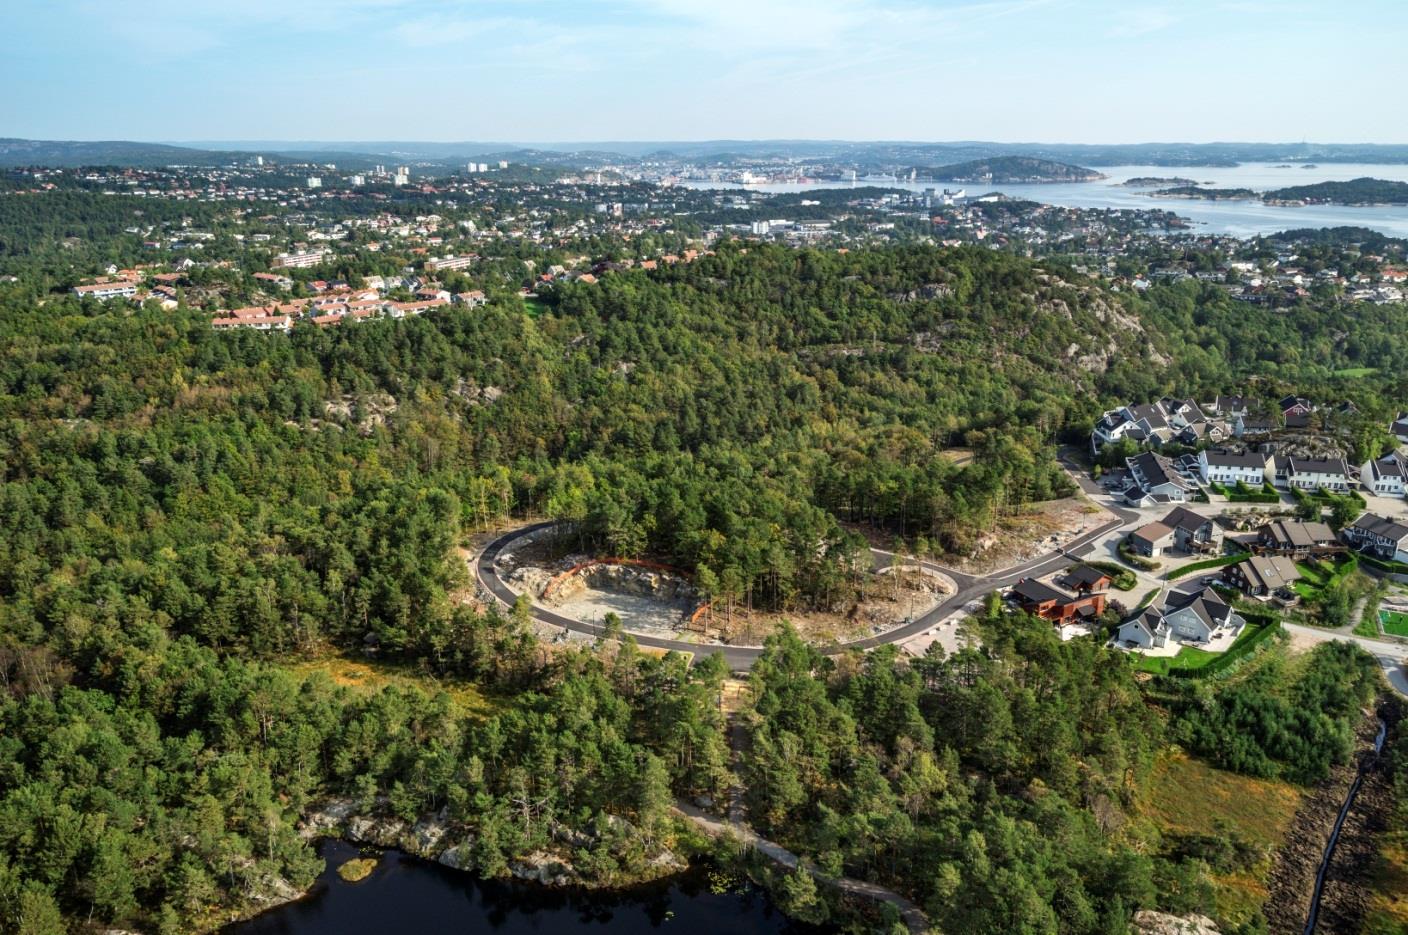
(370, 676)
(357, 869)
(1258, 811)
(1388, 886)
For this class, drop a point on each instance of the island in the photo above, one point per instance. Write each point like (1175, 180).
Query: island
(1206, 194)
(1361, 191)
(1154, 181)
(1013, 169)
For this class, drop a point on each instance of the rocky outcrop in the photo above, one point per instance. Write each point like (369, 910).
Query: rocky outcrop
(435, 837)
(1148, 922)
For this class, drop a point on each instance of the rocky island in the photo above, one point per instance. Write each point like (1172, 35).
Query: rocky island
(1013, 169)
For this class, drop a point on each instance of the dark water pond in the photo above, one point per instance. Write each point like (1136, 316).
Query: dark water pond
(405, 894)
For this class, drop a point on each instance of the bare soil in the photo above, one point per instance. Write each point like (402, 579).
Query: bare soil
(884, 607)
(528, 567)
(1293, 872)
(1033, 531)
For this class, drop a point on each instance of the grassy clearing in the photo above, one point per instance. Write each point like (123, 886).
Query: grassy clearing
(1259, 810)
(1356, 372)
(369, 677)
(1394, 622)
(1388, 888)
(534, 308)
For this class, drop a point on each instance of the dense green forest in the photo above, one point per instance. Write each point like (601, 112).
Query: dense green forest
(1361, 191)
(182, 512)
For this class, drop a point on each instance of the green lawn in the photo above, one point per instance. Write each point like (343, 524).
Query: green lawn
(534, 307)
(1189, 657)
(1394, 622)
(1357, 372)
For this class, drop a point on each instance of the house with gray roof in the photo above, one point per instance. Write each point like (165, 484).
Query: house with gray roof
(1379, 536)
(1384, 477)
(1193, 619)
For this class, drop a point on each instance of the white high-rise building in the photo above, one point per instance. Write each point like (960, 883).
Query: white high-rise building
(315, 182)
(357, 180)
(472, 167)
(483, 167)
(402, 177)
(259, 160)
(503, 163)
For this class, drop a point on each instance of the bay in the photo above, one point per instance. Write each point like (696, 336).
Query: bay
(1235, 218)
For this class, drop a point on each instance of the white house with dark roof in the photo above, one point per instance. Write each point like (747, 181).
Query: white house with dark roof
(1312, 474)
(1155, 479)
(1153, 424)
(1225, 467)
(1379, 536)
(1200, 618)
(1384, 477)
(1400, 428)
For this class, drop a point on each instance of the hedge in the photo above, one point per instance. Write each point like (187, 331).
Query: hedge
(1233, 656)
(1241, 493)
(1137, 561)
(1397, 568)
(1218, 562)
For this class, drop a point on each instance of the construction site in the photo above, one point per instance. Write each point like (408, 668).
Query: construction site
(654, 599)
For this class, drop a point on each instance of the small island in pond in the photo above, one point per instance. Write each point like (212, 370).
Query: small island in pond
(1013, 169)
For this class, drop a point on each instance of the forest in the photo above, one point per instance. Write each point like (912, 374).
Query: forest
(184, 513)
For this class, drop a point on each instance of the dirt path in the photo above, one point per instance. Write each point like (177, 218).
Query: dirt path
(914, 917)
(737, 826)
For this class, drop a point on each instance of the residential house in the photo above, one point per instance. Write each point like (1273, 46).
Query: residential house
(1400, 428)
(1195, 618)
(1378, 536)
(1156, 480)
(1153, 424)
(1384, 477)
(102, 291)
(1150, 540)
(1312, 474)
(1191, 532)
(1262, 575)
(1296, 406)
(1056, 605)
(1225, 467)
(1085, 579)
(1297, 540)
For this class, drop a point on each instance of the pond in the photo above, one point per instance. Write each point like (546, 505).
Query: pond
(406, 894)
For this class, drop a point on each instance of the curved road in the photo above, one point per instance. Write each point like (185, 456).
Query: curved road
(1392, 656)
(740, 658)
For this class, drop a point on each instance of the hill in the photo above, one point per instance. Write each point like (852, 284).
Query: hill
(1361, 191)
(63, 153)
(1014, 169)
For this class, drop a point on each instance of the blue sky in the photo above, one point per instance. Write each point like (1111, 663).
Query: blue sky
(543, 70)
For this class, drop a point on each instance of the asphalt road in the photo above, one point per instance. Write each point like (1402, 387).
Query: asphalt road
(741, 658)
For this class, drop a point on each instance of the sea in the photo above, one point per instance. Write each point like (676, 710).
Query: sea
(1234, 218)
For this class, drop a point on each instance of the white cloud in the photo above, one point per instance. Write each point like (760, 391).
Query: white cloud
(1131, 24)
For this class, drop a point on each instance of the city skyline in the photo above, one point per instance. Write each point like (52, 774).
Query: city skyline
(531, 72)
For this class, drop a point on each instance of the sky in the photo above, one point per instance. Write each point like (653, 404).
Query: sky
(1078, 71)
